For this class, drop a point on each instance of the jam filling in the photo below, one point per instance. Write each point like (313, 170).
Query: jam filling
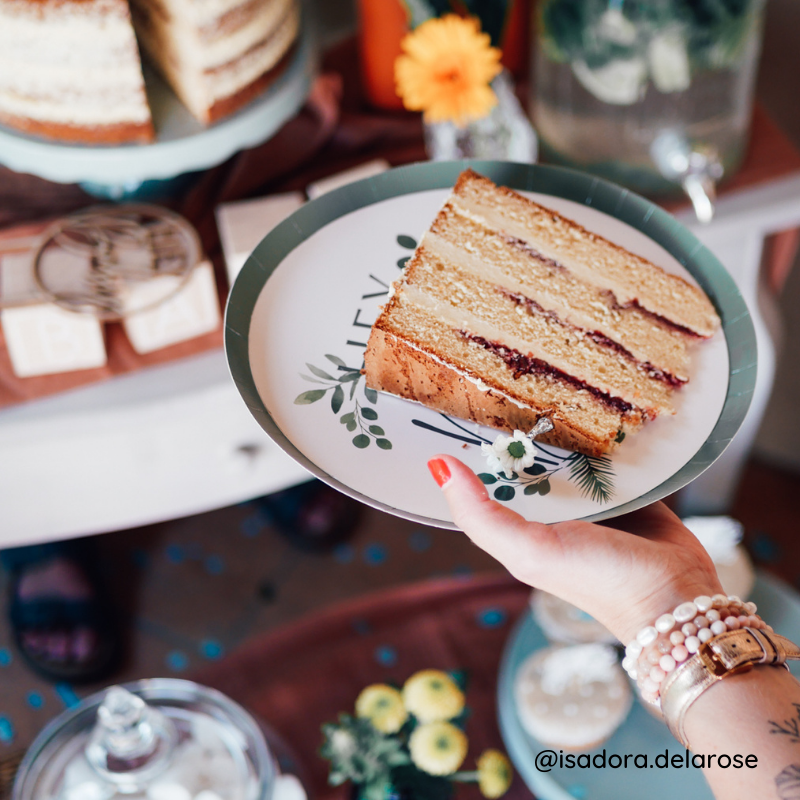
(663, 320)
(522, 365)
(598, 338)
(523, 246)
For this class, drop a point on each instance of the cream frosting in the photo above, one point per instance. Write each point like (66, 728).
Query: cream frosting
(573, 697)
(721, 537)
(49, 74)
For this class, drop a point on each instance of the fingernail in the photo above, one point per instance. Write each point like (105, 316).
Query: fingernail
(439, 470)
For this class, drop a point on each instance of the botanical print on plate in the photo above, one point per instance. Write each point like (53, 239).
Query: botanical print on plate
(360, 416)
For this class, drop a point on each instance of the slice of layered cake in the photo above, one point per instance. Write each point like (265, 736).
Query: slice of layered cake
(217, 55)
(508, 312)
(70, 70)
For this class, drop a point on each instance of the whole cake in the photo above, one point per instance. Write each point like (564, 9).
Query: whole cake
(70, 69)
(572, 697)
(508, 312)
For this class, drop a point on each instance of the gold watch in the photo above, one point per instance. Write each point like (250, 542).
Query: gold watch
(729, 653)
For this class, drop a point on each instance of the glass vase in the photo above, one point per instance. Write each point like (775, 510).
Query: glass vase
(504, 134)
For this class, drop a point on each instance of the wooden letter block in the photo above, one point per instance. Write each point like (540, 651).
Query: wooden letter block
(193, 311)
(243, 224)
(44, 339)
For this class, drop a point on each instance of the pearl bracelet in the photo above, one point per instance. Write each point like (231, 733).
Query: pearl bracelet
(675, 637)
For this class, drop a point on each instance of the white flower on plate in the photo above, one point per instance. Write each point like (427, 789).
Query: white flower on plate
(510, 454)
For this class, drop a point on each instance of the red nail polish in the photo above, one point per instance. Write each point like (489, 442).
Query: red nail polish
(439, 470)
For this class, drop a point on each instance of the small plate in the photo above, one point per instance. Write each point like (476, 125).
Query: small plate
(300, 312)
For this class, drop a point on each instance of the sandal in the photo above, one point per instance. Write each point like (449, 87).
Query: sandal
(51, 615)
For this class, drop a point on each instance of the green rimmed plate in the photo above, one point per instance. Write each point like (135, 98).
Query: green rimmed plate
(300, 311)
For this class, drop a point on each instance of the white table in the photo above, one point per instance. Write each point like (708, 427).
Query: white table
(161, 443)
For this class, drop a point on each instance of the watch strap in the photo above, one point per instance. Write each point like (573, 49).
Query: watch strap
(727, 654)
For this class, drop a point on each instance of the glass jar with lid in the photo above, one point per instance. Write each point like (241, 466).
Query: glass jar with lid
(160, 739)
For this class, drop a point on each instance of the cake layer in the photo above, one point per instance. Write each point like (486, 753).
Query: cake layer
(483, 252)
(233, 102)
(633, 280)
(487, 311)
(415, 354)
(213, 42)
(206, 13)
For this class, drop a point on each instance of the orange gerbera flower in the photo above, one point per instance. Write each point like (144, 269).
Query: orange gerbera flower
(446, 70)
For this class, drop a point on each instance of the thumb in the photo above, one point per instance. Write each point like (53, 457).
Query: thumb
(521, 546)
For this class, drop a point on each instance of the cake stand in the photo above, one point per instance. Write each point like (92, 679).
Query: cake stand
(182, 144)
(641, 733)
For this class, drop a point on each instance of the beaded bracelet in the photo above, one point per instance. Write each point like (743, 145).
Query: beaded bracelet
(675, 637)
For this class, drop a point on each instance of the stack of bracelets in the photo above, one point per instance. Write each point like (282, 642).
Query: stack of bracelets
(661, 648)
(701, 642)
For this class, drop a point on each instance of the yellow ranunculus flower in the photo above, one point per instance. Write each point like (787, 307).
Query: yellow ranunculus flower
(432, 695)
(494, 774)
(438, 748)
(445, 70)
(383, 706)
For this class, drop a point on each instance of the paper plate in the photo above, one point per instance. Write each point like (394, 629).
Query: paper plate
(300, 311)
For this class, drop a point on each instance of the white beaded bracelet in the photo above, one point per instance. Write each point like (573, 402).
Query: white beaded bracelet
(675, 637)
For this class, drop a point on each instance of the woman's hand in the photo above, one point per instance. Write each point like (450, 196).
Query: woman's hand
(624, 581)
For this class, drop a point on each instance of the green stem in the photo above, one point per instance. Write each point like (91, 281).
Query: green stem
(464, 777)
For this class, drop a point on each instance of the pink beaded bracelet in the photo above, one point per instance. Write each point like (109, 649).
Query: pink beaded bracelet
(660, 648)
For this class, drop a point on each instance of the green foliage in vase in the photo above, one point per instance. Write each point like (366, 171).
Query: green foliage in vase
(598, 32)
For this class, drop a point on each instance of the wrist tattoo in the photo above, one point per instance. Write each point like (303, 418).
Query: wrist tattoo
(789, 727)
(787, 783)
